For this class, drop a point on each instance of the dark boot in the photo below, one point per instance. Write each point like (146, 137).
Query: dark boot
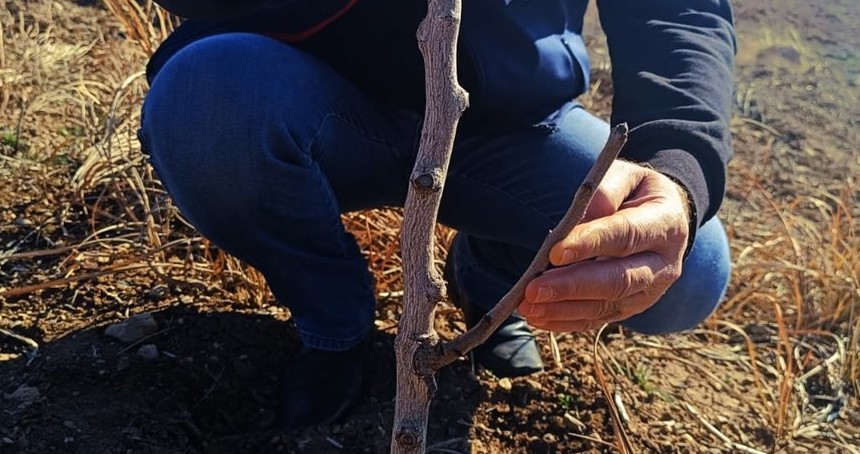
(509, 352)
(321, 387)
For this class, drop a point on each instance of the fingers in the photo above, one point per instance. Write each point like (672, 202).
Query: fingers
(610, 279)
(635, 209)
(618, 183)
(636, 228)
(573, 311)
(627, 232)
(578, 316)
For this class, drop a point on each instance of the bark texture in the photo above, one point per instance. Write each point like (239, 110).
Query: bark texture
(450, 351)
(416, 340)
(419, 351)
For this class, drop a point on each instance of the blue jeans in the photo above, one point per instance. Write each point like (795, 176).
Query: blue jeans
(263, 146)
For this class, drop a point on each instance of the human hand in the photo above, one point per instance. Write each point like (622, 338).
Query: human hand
(620, 260)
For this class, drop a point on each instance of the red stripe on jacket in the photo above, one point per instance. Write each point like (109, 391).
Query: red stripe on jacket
(316, 28)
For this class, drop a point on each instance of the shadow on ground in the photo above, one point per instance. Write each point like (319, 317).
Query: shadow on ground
(213, 389)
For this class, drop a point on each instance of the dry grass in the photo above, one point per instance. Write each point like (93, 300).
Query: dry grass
(790, 325)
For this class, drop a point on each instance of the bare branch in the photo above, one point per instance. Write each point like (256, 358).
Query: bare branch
(416, 340)
(450, 351)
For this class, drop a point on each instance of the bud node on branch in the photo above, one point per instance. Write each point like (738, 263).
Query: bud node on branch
(407, 438)
(428, 180)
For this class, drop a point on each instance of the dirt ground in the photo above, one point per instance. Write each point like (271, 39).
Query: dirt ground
(88, 238)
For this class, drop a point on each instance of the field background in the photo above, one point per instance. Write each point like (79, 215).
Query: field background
(88, 237)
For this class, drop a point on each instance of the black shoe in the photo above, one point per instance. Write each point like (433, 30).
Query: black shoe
(511, 351)
(321, 387)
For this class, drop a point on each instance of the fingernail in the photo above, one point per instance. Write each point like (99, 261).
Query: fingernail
(544, 294)
(568, 256)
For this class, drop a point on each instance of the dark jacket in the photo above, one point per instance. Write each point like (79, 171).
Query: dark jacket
(521, 60)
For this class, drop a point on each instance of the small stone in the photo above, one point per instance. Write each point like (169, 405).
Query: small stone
(505, 384)
(573, 423)
(148, 352)
(70, 425)
(158, 292)
(134, 329)
(533, 385)
(24, 396)
(550, 438)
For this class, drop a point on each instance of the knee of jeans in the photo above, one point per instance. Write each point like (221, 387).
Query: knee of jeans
(699, 290)
(209, 125)
(226, 93)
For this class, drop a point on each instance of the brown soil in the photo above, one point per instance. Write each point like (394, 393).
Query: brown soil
(77, 199)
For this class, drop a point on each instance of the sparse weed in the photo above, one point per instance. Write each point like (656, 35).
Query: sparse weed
(9, 139)
(566, 401)
(640, 376)
(797, 260)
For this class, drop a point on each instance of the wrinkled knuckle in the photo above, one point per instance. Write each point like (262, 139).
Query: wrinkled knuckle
(668, 268)
(622, 283)
(607, 310)
(677, 270)
(598, 238)
(629, 236)
(673, 272)
(676, 226)
(603, 310)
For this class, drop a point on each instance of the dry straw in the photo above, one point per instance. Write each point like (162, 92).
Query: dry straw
(790, 321)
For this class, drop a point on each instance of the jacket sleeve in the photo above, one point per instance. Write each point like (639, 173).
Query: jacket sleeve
(672, 70)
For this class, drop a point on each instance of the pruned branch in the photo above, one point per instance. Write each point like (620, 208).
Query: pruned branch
(419, 351)
(450, 351)
(416, 340)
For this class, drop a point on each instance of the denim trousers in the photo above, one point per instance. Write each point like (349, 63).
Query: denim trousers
(263, 147)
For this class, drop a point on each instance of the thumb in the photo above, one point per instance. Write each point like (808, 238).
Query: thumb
(617, 185)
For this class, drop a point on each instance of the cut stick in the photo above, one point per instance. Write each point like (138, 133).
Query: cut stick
(450, 351)
(424, 286)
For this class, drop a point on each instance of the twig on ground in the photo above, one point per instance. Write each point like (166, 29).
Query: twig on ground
(23, 339)
(334, 442)
(592, 439)
(575, 421)
(761, 125)
(556, 352)
(622, 410)
(443, 446)
(32, 353)
(216, 380)
(726, 440)
(126, 265)
(35, 254)
(624, 444)
(20, 291)
(751, 352)
(140, 341)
